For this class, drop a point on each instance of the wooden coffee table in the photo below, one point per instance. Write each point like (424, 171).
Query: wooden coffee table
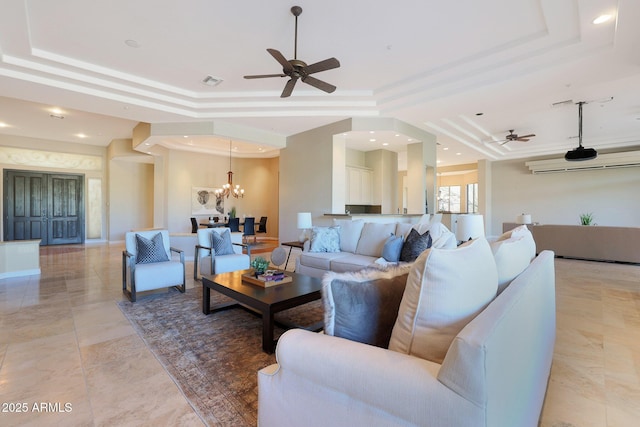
(266, 301)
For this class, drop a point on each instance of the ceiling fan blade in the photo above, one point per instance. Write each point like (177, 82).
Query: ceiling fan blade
(319, 84)
(522, 139)
(327, 64)
(263, 76)
(286, 66)
(288, 88)
(531, 135)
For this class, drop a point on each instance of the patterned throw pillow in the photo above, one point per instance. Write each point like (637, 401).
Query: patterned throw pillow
(325, 239)
(221, 243)
(415, 244)
(150, 250)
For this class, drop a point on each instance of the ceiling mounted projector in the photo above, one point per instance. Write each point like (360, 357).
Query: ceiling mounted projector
(580, 153)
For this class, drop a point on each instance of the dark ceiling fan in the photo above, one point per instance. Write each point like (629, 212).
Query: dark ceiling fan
(296, 69)
(580, 153)
(515, 137)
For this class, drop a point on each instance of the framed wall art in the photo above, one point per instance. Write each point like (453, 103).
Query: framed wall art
(205, 202)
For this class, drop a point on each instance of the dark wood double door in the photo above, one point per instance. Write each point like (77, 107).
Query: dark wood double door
(46, 206)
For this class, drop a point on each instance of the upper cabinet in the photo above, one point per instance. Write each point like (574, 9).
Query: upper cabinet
(359, 188)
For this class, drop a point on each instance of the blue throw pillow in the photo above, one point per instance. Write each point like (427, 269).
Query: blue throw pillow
(150, 250)
(221, 243)
(392, 248)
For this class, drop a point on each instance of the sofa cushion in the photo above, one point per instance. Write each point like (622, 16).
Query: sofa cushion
(373, 237)
(403, 229)
(512, 258)
(325, 239)
(522, 231)
(350, 231)
(415, 244)
(363, 306)
(150, 250)
(321, 260)
(392, 248)
(353, 262)
(446, 288)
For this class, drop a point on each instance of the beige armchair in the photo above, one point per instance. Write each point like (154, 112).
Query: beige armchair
(147, 259)
(206, 261)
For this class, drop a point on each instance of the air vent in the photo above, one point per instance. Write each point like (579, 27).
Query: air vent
(604, 161)
(212, 81)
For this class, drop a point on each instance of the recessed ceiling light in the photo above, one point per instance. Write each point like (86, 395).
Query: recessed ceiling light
(458, 154)
(372, 140)
(602, 19)
(185, 136)
(3, 125)
(409, 140)
(397, 134)
(371, 131)
(445, 148)
(81, 135)
(385, 143)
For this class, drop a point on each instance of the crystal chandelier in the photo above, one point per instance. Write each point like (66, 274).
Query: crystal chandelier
(229, 188)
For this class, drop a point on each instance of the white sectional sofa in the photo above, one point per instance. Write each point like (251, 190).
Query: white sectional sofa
(493, 371)
(361, 245)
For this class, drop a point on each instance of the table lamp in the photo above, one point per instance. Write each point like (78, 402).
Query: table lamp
(523, 219)
(304, 223)
(469, 226)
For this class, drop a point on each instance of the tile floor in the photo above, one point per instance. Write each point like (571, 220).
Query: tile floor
(69, 357)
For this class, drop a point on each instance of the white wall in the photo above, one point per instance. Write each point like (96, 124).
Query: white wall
(612, 195)
(130, 204)
(306, 177)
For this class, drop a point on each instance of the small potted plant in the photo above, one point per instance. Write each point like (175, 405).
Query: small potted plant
(259, 265)
(586, 219)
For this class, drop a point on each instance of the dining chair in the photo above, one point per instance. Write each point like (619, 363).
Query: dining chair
(194, 225)
(262, 225)
(234, 224)
(249, 228)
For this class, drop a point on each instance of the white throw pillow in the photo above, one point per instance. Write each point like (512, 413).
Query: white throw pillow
(350, 231)
(522, 231)
(512, 258)
(446, 289)
(441, 236)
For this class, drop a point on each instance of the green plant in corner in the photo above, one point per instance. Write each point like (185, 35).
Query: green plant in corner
(586, 219)
(260, 265)
(232, 212)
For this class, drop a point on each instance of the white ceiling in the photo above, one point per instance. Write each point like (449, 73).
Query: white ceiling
(433, 64)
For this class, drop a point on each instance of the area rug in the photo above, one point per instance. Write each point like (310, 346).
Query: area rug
(214, 359)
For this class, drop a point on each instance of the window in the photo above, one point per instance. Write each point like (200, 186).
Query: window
(472, 198)
(449, 199)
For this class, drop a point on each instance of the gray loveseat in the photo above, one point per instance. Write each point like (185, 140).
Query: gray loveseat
(361, 245)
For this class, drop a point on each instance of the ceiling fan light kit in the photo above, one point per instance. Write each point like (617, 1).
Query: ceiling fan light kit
(296, 69)
(580, 153)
